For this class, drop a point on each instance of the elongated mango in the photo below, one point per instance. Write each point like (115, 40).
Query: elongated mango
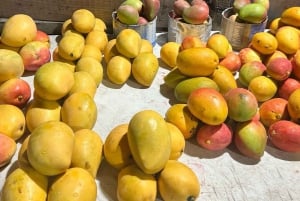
(198, 61)
(149, 141)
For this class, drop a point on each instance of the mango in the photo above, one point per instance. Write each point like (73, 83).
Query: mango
(79, 111)
(11, 65)
(71, 46)
(148, 136)
(118, 69)
(135, 185)
(214, 137)
(285, 135)
(50, 148)
(8, 148)
(253, 13)
(225, 80)
(87, 151)
(127, 14)
(174, 77)
(137, 4)
(294, 105)
(83, 82)
(273, 110)
(195, 14)
(24, 184)
(179, 6)
(22, 154)
(251, 138)
(83, 20)
(220, 44)
(242, 104)
(53, 89)
(208, 105)
(150, 9)
(18, 30)
(128, 43)
(39, 111)
(179, 181)
(116, 148)
(144, 68)
(291, 16)
(179, 115)
(198, 61)
(288, 39)
(279, 68)
(12, 121)
(184, 88)
(264, 42)
(75, 184)
(238, 4)
(177, 141)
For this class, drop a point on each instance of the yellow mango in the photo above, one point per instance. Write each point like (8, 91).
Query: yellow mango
(288, 39)
(128, 43)
(87, 151)
(178, 182)
(224, 79)
(291, 16)
(148, 135)
(198, 61)
(135, 185)
(24, 184)
(73, 185)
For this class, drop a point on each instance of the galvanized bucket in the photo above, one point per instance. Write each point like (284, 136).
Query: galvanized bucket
(239, 34)
(177, 29)
(147, 31)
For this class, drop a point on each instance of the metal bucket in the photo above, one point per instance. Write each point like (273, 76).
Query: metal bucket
(147, 31)
(177, 29)
(239, 34)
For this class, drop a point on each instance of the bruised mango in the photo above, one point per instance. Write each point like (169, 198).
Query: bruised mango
(185, 87)
(148, 135)
(264, 42)
(198, 61)
(253, 13)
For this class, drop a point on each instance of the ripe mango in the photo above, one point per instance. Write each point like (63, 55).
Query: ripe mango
(285, 135)
(127, 14)
(253, 13)
(174, 77)
(25, 184)
(74, 184)
(178, 182)
(185, 87)
(135, 185)
(198, 61)
(149, 140)
(251, 138)
(128, 43)
(291, 16)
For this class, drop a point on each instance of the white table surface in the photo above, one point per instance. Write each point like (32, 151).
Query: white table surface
(224, 176)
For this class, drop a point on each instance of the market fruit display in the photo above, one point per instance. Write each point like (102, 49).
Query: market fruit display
(247, 103)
